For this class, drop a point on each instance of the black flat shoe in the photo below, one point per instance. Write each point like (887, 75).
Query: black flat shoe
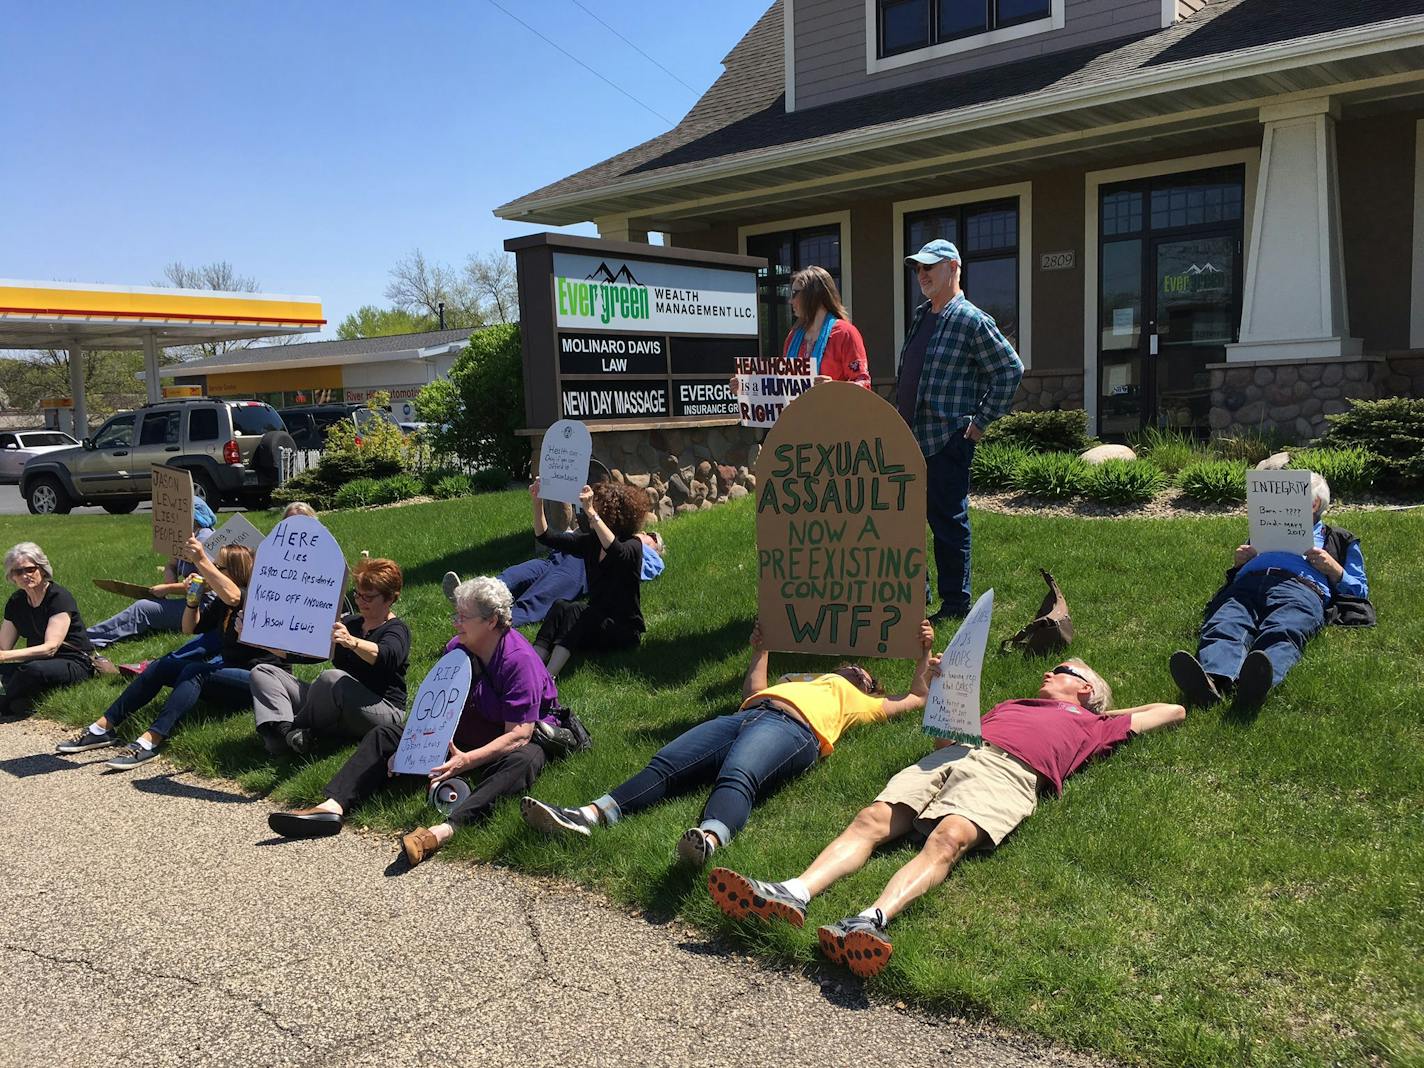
(1254, 682)
(307, 823)
(1191, 678)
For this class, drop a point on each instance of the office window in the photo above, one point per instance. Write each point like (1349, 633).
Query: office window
(987, 236)
(787, 252)
(906, 25)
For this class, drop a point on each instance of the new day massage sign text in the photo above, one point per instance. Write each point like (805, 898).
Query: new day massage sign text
(841, 527)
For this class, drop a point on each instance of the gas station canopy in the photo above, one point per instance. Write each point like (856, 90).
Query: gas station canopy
(78, 316)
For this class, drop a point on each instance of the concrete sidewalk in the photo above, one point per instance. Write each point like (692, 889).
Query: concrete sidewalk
(150, 918)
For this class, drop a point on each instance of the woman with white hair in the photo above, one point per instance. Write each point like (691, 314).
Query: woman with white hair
(511, 693)
(56, 651)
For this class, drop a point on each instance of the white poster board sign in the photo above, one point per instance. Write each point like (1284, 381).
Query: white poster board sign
(425, 742)
(563, 461)
(766, 386)
(296, 589)
(172, 493)
(1281, 511)
(236, 531)
(952, 707)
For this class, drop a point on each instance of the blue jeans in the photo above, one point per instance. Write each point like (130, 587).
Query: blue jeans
(537, 584)
(1272, 613)
(947, 485)
(190, 677)
(144, 616)
(744, 756)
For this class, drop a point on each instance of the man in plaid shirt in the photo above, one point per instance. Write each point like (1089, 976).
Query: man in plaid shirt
(958, 374)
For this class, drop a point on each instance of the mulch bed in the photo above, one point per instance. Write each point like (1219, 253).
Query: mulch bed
(1169, 504)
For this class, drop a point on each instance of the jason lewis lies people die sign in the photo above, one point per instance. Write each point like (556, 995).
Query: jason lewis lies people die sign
(841, 527)
(296, 588)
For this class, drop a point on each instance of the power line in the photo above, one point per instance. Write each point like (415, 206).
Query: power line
(581, 63)
(634, 47)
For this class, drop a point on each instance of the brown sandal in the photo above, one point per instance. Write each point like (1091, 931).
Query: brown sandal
(418, 845)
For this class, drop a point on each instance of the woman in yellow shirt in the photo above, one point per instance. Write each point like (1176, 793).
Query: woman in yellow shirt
(778, 732)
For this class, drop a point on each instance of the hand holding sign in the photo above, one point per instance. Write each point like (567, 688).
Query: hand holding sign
(1281, 511)
(295, 593)
(430, 727)
(564, 460)
(952, 708)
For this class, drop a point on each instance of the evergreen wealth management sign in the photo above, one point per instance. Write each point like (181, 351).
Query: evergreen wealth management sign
(622, 332)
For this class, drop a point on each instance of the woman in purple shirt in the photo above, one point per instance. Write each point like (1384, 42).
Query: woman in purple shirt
(511, 693)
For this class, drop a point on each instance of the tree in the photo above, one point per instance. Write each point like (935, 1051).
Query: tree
(110, 378)
(371, 321)
(493, 286)
(421, 288)
(479, 410)
(219, 275)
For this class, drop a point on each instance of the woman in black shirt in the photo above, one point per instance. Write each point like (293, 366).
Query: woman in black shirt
(363, 688)
(217, 669)
(613, 562)
(46, 616)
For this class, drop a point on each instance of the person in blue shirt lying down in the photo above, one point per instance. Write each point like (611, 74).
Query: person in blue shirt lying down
(1256, 626)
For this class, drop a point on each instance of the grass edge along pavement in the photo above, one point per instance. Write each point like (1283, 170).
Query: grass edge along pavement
(1237, 889)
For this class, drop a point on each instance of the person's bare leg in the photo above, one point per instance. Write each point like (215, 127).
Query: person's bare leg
(948, 843)
(558, 657)
(877, 823)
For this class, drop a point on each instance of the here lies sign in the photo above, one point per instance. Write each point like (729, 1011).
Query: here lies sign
(841, 527)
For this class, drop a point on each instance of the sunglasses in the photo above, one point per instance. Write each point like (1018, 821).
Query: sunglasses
(926, 268)
(867, 679)
(1065, 669)
(30, 569)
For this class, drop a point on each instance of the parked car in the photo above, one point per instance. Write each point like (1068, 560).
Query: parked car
(309, 423)
(17, 446)
(232, 448)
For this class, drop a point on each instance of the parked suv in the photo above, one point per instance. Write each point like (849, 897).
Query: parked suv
(231, 447)
(309, 423)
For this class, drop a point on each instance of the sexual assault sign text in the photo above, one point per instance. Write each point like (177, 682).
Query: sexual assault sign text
(841, 527)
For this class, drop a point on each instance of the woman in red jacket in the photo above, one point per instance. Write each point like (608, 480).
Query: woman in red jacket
(823, 330)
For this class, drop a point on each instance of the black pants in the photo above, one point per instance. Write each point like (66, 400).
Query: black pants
(361, 776)
(577, 625)
(28, 679)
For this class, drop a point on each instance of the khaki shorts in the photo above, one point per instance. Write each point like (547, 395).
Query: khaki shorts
(987, 786)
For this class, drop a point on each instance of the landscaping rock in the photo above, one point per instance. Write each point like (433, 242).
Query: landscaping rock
(650, 519)
(1275, 462)
(683, 509)
(1099, 453)
(736, 493)
(678, 490)
(641, 482)
(616, 476)
(703, 472)
(666, 509)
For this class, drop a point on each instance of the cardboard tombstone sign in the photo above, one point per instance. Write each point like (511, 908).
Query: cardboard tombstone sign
(952, 707)
(564, 461)
(172, 491)
(425, 742)
(841, 527)
(1281, 511)
(236, 531)
(295, 594)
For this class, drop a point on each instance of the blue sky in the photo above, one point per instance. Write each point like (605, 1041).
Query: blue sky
(314, 144)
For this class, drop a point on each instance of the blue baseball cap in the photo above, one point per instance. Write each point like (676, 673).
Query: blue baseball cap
(935, 251)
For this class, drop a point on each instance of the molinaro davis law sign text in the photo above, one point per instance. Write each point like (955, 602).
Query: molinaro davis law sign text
(641, 339)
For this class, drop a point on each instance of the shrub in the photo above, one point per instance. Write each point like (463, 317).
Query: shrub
(1250, 448)
(1348, 470)
(1392, 429)
(355, 494)
(397, 488)
(304, 486)
(1215, 481)
(1125, 481)
(995, 463)
(376, 452)
(490, 480)
(481, 407)
(1056, 431)
(1056, 475)
(1170, 450)
(449, 486)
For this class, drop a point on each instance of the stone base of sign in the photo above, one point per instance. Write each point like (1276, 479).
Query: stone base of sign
(1293, 397)
(1046, 391)
(683, 470)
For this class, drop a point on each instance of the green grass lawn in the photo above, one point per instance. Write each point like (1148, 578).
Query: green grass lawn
(1243, 889)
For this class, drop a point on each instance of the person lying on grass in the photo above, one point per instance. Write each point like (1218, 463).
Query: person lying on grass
(538, 583)
(46, 617)
(162, 611)
(511, 693)
(216, 666)
(778, 732)
(612, 554)
(957, 799)
(363, 688)
(1255, 627)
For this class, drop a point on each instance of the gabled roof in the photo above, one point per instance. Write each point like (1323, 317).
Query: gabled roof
(743, 114)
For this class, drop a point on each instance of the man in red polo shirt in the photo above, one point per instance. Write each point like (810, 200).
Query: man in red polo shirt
(960, 798)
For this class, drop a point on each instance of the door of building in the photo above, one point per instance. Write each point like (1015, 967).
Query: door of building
(1170, 298)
